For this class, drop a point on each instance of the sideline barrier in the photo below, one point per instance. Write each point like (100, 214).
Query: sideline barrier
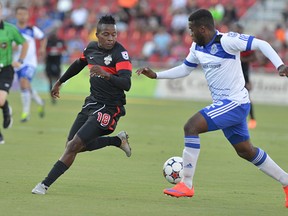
(267, 88)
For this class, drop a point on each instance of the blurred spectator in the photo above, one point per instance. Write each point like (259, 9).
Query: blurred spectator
(44, 22)
(154, 20)
(217, 11)
(179, 21)
(178, 49)
(79, 17)
(127, 6)
(7, 13)
(230, 14)
(148, 49)
(64, 5)
(162, 40)
(55, 14)
(122, 19)
(177, 5)
(191, 6)
(75, 47)
(285, 13)
(280, 34)
(142, 11)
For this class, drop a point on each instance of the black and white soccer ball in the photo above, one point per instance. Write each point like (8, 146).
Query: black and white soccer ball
(173, 169)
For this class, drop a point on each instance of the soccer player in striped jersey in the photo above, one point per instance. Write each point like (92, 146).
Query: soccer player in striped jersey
(27, 70)
(219, 56)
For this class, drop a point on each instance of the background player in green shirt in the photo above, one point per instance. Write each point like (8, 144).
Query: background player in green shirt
(8, 35)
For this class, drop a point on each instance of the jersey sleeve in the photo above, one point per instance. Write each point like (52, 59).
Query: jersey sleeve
(39, 34)
(234, 42)
(191, 60)
(123, 61)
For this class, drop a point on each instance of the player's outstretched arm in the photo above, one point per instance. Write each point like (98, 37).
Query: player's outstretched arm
(147, 72)
(283, 70)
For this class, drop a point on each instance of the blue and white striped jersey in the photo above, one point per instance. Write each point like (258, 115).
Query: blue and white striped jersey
(220, 60)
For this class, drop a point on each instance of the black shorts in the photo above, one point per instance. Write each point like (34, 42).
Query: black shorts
(6, 77)
(53, 69)
(95, 119)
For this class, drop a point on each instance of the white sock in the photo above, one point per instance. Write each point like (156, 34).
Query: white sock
(26, 100)
(268, 166)
(190, 157)
(36, 97)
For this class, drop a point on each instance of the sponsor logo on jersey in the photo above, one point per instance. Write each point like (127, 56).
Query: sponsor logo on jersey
(108, 59)
(125, 55)
(211, 66)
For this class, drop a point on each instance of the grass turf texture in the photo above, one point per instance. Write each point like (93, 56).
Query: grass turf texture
(106, 182)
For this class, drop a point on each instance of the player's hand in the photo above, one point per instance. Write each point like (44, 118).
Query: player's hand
(55, 90)
(16, 64)
(97, 71)
(147, 72)
(283, 70)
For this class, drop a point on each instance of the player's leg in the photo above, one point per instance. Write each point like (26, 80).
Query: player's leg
(216, 116)
(29, 74)
(252, 122)
(23, 77)
(73, 147)
(53, 73)
(7, 119)
(25, 99)
(262, 161)
(39, 101)
(59, 167)
(194, 126)
(104, 124)
(85, 134)
(239, 138)
(6, 79)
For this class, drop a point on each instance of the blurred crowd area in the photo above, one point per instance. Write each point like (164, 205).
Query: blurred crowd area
(154, 31)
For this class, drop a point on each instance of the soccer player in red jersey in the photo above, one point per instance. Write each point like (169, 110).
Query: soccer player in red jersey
(110, 75)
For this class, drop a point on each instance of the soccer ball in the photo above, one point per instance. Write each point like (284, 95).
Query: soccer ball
(173, 169)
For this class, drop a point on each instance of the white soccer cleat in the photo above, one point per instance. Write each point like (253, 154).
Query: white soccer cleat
(40, 189)
(125, 144)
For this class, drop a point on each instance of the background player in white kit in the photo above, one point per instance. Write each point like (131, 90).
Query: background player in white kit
(219, 56)
(27, 70)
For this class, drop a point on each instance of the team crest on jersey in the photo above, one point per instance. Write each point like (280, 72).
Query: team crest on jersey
(125, 55)
(108, 59)
(214, 49)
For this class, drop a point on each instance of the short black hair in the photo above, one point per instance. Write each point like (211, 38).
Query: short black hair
(202, 17)
(106, 19)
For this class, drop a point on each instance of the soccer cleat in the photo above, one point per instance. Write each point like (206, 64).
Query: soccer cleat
(123, 136)
(179, 190)
(286, 193)
(1, 139)
(7, 118)
(40, 188)
(24, 117)
(252, 124)
(41, 110)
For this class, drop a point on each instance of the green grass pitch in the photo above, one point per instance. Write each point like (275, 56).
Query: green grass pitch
(106, 183)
